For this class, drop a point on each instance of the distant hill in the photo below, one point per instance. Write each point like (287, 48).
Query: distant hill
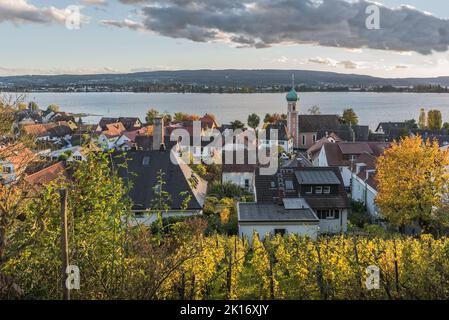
(235, 78)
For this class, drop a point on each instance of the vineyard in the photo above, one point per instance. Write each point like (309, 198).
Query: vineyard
(298, 268)
(186, 265)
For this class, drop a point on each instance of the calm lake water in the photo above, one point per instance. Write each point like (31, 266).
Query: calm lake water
(371, 108)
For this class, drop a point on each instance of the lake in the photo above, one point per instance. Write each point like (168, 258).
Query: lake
(371, 108)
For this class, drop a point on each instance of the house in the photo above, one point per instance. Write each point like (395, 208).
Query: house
(441, 136)
(391, 131)
(76, 153)
(294, 216)
(52, 132)
(14, 160)
(364, 185)
(104, 122)
(318, 193)
(347, 132)
(181, 184)
(154, 137)
(309, 126)
(284, 140)
(344, 154)
(130, 123)
(314, 151)
(127, 123)
(241, 174)
(46, 176)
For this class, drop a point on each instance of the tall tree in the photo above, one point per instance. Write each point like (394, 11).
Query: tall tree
(53, 107)
(237, 124)
(412, 179)
(33, 106)
(253, 121)
(350, 117)
(314, 110)
(434, 120)
(151, 114)
(422, 119)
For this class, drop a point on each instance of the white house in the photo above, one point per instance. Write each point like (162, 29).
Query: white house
(7, 172)
(74, 154)
(344, 155)
(294, 217)
(363, 184)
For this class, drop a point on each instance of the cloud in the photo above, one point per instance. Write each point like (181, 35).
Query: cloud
(20, 11)
(323, 61)
(94, 2)
(348, 64)
(127, 23)
(263, 23)
(55, 71)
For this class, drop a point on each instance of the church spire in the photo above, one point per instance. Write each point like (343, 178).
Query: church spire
(293, 81)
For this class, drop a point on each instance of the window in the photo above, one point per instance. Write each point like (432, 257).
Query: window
(247, 183)
(146, 161)
(319, 190)
(78, 158)
(282, 232)
(157, 189)
(309, 190)
(7, 170)
(314, 138)
(326, 214)
(303, 139)
(289, 185)
(327, 190)
(330, 214)
(273, 184)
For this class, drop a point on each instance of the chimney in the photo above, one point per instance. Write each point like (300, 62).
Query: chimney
(369, 173)
(158, 133)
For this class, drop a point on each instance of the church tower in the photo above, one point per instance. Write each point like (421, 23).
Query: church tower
(292, 113)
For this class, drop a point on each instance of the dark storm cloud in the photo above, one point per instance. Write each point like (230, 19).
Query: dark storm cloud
(262, 23)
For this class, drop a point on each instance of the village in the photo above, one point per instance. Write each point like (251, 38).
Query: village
(325, 179)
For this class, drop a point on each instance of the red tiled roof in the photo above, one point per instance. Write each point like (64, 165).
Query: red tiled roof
(317, 146)
(131, 135)
(47, 175)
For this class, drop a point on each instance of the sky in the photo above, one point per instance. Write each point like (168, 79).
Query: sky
(115, 36)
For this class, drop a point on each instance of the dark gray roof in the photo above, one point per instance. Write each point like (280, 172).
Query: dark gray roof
(143, 170)
(105, 121)
(254, 212)
(315, 123)
(145, 143)
(347, 133)
(317, 177)
(269, 190)
(130, 123)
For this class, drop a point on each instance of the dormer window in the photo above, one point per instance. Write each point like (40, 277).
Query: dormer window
(327, 190)
(319, 190)
(309, 190)
(7, 170)
(289, 185)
